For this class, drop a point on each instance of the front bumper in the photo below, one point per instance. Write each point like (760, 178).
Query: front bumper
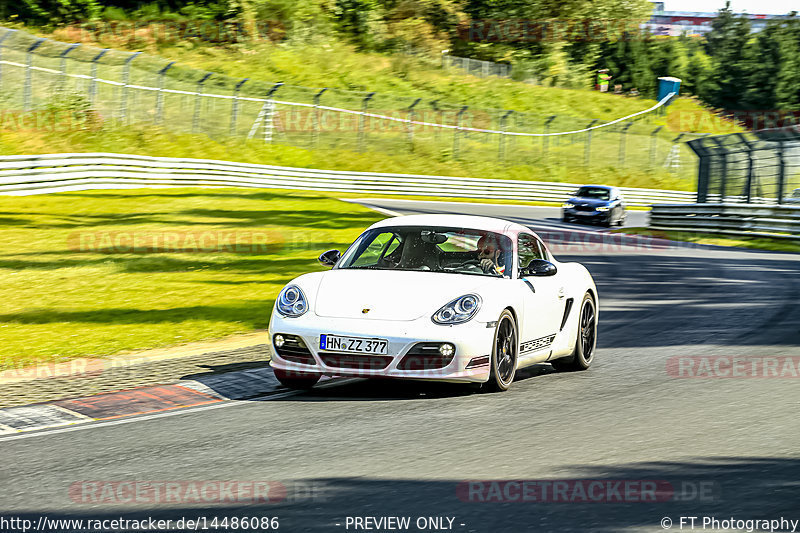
(471, 340)
(587, 215)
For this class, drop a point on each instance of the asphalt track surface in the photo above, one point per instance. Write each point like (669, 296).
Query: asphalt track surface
(359, 448)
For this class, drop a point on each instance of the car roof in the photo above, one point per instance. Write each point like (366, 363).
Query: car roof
(496, 225)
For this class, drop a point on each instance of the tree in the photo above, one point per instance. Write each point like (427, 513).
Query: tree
(726, 44)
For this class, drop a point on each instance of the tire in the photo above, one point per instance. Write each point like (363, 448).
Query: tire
(296, 380)
(566, 218)
(504, 353)
(586, 342)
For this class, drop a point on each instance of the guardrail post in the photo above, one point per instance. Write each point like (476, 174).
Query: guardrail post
(93, 82)
(235, 106)
(781, 172)
(653, 146)
(411, 124)
(316, 125)
(27, 92)
(623, 137)
(62, 78)
(362, 121)
(160, 93)
(126, 79)
(501, 145)
(587, 149)
(197, 97)
(457, 131)
(437, 132)
(3, 38)
(545, 138)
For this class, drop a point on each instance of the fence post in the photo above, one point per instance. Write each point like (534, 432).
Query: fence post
(411, 124)
(62, 80)
(235, 106)
(27, 95)
(362, 121)
(546, 136)
(315, 133)
(159, 94)
(437, 132)
(587, 149)
(3, 38)
(501, 146)
(781, 172)
(653, 146)
(457, 131)
(624, 136)
(126, 79)
(197, 97)
(93, 82)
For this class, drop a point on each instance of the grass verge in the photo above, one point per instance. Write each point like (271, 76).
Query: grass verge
(96, 273)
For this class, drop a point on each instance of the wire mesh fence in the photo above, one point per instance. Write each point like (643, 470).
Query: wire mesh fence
(96, 87)
(477, 67)
(758, 167)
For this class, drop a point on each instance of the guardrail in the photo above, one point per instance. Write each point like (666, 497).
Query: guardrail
(36, 174)
(754, 220)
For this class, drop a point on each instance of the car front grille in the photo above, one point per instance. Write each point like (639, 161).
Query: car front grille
(425, 356)
(356, 361)
(584, 208)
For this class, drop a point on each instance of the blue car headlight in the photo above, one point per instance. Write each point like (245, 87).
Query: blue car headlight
(292, 302)
(567, 205)
(460, 310)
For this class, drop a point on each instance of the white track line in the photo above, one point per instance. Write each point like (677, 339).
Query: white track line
(177, 412)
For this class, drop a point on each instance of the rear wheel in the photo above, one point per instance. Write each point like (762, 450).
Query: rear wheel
(296, 380)
(504, 353)
(583, 354)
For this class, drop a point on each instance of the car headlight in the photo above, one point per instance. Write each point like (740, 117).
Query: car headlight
(292, 302)
(567, 205)
(602, 209)
(460, 310)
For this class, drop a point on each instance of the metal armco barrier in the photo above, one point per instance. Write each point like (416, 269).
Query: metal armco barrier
(754, 220)
(37, 174)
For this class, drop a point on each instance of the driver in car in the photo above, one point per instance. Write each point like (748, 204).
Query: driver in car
(489, 256)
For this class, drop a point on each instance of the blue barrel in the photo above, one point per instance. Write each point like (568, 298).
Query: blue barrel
(668, 85)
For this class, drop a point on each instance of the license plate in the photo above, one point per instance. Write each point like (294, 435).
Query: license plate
(337, 343)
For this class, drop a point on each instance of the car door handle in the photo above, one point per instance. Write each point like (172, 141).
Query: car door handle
(561, 293)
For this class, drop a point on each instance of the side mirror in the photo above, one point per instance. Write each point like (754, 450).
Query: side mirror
(330, 258)
(540, 267)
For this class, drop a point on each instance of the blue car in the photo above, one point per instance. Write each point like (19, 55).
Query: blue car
(597, 204)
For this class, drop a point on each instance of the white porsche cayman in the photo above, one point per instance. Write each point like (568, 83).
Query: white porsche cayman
(441, 297)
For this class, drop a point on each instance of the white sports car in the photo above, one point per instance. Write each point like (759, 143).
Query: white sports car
(439, 297)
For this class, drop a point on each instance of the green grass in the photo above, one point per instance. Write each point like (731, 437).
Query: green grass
(68, 291)
(758, 243)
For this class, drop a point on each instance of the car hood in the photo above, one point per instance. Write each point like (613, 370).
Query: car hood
(593, 202)
(390, 294)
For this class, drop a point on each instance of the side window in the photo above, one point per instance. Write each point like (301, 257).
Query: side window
(529, 249)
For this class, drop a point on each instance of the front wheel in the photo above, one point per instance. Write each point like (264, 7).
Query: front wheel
(296, 380)
(504, 353)
(583, 354)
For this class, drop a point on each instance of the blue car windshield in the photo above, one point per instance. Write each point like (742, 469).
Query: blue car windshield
(598, 193)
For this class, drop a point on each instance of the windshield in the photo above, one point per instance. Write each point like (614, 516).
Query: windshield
(435, 249)
(593, 192)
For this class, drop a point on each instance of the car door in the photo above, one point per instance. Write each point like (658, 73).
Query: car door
(542, 303)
